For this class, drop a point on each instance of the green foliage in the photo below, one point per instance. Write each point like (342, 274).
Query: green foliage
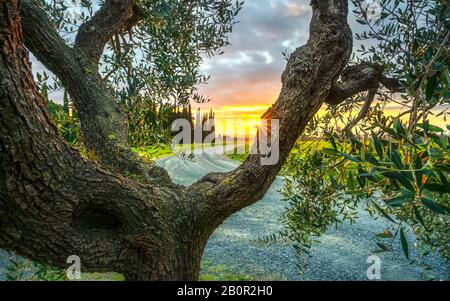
(237, 153)
(66, 122)
(153, 67)
(402, 179)
(151, 125)
(153, 152)
(163, 56)
(412, 39)
(25, 270)
(314, 201)
(64, 117)
(410, 172)
(238, 157)
(211, 272)
(395, 167)
(20, 270)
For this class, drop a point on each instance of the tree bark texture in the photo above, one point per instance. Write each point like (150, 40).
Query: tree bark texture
(103, 122)
(54, 203)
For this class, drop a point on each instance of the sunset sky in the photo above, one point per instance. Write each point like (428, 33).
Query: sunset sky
(246, 79)
(249, 72)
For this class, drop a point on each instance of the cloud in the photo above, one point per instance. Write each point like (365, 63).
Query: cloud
(250, 70)
(297, 10)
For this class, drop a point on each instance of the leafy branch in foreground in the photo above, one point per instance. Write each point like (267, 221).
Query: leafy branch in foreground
(402, 180)
(383, 154)
(314, 206)
(409, 174)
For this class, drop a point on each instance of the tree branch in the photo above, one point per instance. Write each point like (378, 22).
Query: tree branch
(359, 78)
(113, 17)
(53, 203)
(310, 73)
(363, 112)
(43, 40)
(103, 123)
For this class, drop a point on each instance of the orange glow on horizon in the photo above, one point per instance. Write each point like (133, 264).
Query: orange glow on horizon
(239, 120)
(242, 120)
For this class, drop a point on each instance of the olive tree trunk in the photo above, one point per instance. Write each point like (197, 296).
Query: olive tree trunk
(54, 203)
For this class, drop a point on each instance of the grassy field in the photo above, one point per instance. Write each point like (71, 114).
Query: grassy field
(161, 151)
(154, 152)
(301, 148)
(238, 157)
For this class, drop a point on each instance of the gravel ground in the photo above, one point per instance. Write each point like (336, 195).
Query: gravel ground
(341, 255)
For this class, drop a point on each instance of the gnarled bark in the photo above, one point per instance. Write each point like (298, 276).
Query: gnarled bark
(103, 123)
(109, 20)
(310, 73)
(53, 203)
(359, 78)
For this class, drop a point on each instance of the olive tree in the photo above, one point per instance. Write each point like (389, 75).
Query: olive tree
(115, 211)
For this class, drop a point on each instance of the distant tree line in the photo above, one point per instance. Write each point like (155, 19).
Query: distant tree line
(153, 126)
